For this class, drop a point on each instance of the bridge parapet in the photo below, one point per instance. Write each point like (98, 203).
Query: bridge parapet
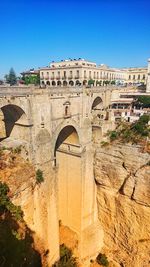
(25, 90)
(15, 90)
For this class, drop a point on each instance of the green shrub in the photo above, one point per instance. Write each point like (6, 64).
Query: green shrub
(102, 259)
(17, 150)
(7, 205)
(66, 258)
(144, 100)
(113, 135)
(104, 143)
(144, 119)
(39, 176)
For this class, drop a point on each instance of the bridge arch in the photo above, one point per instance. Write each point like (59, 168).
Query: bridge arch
(15, 121)
(60, 127)
(97, 103)
(69, 176)
(67, 134)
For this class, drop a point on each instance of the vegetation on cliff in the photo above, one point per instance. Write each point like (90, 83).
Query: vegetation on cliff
(137, 132)
(102, 260)
(66, 258)
(143, 101)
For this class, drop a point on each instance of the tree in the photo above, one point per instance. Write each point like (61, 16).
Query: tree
(144, 100)
(113, 82)
(91, 82)
(34, 79)
(11, 77)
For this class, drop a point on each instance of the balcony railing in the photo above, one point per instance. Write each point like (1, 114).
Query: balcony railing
(77, 77)
(64, 78)
(52, 78)
(70, 77)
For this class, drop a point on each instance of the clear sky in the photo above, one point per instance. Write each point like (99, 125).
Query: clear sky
(35, 32)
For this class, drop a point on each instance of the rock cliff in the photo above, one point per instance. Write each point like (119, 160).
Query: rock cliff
(20, 176)
(122, 175)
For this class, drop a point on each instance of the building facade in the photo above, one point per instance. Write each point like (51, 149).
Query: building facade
(81, 72)
(136, 75)
(148, 78)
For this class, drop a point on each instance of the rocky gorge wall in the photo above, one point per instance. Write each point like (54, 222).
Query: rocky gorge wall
(37, 201)
(122, 175)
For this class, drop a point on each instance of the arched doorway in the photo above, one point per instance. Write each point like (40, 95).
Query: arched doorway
(78, 83)
(68, 161)
(48, 83)
(53, 83)
(85, 82)
(71, 83)
(16, 122)
(64, 83)
(59, 83)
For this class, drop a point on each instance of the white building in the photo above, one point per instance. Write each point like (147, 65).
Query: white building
(82, 72)
(79, 72)
(148, 78)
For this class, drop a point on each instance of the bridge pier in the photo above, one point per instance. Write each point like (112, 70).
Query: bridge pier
(77, 206)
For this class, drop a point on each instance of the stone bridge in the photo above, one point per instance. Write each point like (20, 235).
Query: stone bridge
(57, 127)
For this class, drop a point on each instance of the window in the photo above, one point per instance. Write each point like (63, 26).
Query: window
(78, 73)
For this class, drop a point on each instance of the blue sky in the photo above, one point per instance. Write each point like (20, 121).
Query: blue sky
(35, 32)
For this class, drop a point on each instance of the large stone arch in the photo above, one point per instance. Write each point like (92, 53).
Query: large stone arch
(70, 122)
(69, 176)
(76, 187)
(97, 103)
(16, 122)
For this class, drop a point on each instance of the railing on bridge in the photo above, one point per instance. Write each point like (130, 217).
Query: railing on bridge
(69, 148)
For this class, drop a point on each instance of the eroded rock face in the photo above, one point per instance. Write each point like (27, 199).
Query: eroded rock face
(37, 202)
(122, 174)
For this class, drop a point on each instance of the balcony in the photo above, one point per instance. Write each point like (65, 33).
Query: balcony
(64, 78)
(58, 78)
(70, 77)
(52, 78)
(77, 77)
